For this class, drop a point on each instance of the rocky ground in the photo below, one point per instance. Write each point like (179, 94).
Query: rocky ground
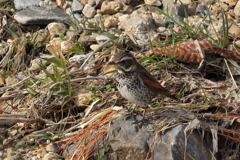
(58, 96)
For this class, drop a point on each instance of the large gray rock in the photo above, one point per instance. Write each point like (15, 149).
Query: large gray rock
(150, 140)
(41, 16)
(20, 4)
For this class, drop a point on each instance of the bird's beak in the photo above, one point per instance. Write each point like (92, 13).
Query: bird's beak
(111, 63)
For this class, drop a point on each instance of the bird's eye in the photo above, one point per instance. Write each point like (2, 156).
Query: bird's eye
(123, 61)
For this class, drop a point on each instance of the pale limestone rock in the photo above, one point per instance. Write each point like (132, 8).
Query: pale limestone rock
(55, 29)
(89, 11)
(111, 7)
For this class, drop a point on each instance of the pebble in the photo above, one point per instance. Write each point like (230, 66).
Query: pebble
(77, 6)
(89, 11)
(55, 28)
(153, 2)
(111, 7)
(237, 9)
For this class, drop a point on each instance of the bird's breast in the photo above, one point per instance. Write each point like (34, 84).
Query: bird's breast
(133, 89)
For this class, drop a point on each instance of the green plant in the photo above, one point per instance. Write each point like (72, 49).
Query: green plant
(60, 72)
(109, 88)
(100, 155)
(199, 30)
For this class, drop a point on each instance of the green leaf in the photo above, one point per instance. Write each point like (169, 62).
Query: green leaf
(32, 91)
(110, 36)
(47, 73)
(57, 74)
(53, 60)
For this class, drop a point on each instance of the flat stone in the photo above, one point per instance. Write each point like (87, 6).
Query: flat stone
(41, 16)
(77, 6)
(20, 4)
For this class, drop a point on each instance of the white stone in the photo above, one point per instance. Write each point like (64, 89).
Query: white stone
(88, 11)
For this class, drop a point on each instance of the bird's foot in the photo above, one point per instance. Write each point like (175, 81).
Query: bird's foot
(140, 120)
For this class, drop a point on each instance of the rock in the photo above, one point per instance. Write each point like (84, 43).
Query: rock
(15, 157)
(89, 11)
(192, 8)
(50, 156)
(41, 16)
(77, 6)
(215, 9)
(60, 3)
(98, 3)
(13, 132)
(54, 46)
(171, 145)
(91, 2)
(20, 4)
(140, 24)
(58, 46)
(186, 1)
(3, 155)
(77, 15)
(129, 2)
(41, 152)
(87, 40)
(231, 3)
(101, 38)
(237, 9)
(11, 81)
(55, 29)
(35, 67)
(70, 149)
(111, 7)
(168, 6)
(66, 46)
(65, 6)
(224, 6)
(69, 11)
(127, 10)
(153, 2)
(81, 98)
(52, 147)
(83, 1)
(238, 43)
(133, 141)
(110, 21)
(182, 10)
(234, 30)
(164, 31)
(201, 10)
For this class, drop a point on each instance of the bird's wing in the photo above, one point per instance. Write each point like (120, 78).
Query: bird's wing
(153, 84)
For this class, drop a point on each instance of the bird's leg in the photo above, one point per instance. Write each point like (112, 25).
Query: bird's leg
(144, 112)
(131, 112)
(133, 109)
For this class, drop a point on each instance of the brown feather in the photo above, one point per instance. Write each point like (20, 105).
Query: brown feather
(152, 83)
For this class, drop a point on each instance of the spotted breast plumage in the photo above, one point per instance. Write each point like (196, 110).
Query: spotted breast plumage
(134, 82)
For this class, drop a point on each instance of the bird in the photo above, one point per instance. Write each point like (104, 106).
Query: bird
(134, 82)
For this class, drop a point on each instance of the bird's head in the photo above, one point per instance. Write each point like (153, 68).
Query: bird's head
(124, 62)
